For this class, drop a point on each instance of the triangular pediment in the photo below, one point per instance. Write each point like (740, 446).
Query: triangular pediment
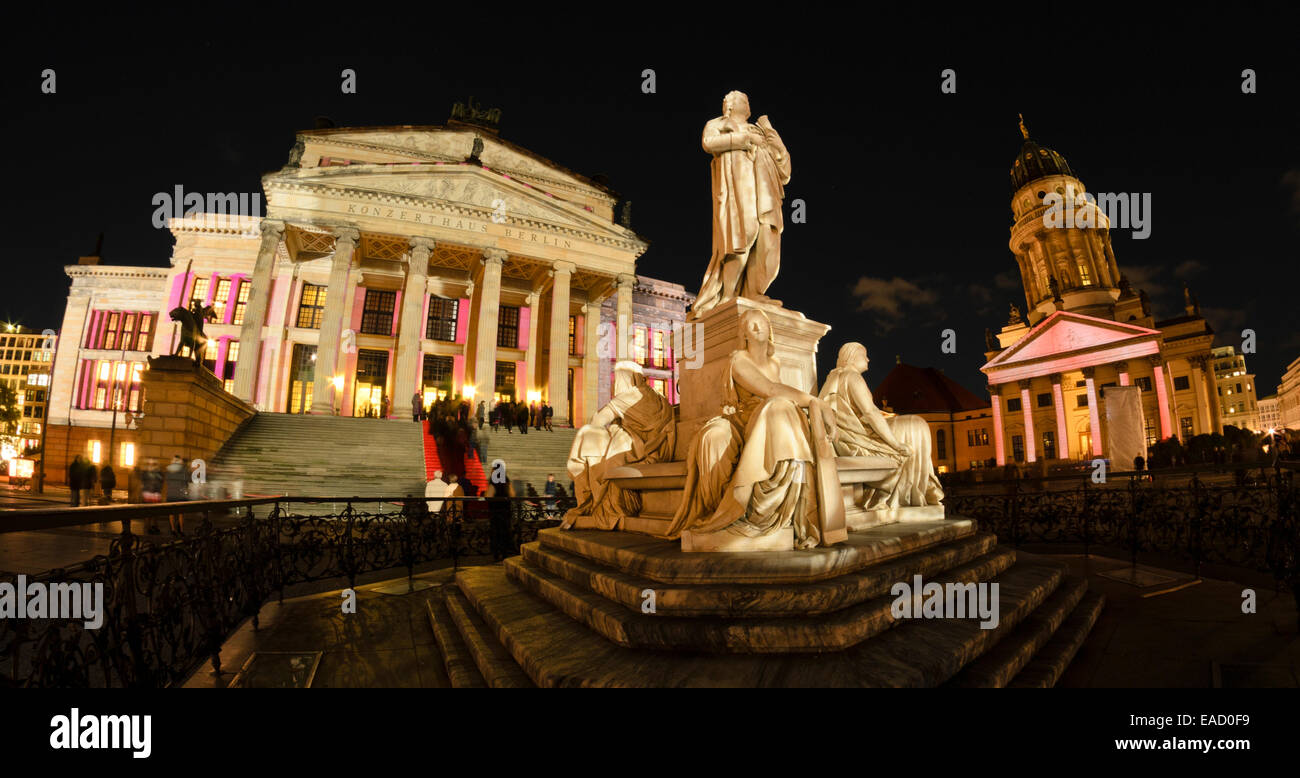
(1065, 334)
(460, 187)
(454, 144)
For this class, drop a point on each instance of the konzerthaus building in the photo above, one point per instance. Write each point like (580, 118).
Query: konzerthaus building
(391, 261)
(1084, 331)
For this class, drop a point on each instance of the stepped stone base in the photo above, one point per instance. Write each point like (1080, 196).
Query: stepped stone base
(588, 608)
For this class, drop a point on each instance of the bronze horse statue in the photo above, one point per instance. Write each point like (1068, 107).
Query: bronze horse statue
(191, 320)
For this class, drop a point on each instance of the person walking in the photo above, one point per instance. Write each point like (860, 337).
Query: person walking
(480, 413)
(151, 487)
(74, 481)
(108, 481)
(521, 418)
(417, 405)
(176, 483)
(548, 411)
(383, 408)
(89, 483)
(435, 488)
(499, 507)
(550, 490)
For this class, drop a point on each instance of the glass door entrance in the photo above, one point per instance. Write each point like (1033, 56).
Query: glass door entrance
(302, 377)
(371, 383)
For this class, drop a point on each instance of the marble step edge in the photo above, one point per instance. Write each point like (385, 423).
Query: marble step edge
(1046, 667)
(456, 659)
(495, 665)
(756, 600)
(663, 561)
(557, 651)
(996, 667)
(794, 633)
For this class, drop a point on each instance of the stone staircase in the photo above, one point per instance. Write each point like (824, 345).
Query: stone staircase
(529, 458)
(323, 456)
(571, 611)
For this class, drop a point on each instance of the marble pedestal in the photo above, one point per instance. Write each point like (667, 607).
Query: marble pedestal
(591, 608)
(702, 359)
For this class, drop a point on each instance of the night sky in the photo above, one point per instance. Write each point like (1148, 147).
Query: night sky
(906, 189)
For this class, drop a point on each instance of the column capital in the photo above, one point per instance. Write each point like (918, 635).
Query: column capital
(494, 256)
(994, 390)
(272, 228)
(1089, 372)
(563, 266)
(1055, 378)
(345, 234)
(426, 245)
(1156, 360)
(1121, 366)
(1199, 360)
(626, 281)
(1026, 383)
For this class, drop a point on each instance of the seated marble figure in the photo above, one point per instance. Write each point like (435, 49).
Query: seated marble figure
(635, 427)
(750, 470)
(866, 431)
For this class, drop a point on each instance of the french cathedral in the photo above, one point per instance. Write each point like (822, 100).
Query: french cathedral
(1085, 330)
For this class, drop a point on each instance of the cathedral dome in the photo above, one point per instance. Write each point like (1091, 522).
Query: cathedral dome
(1036, 162)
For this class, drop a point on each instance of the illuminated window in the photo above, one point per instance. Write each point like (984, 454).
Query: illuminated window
(94, 448)
(221, 298)
(1084, 278)
(658, 353)
(639, 344)
(110, 334)
(200, 292)
(127, 457)
(573, 335)
(377, 312)
(144, 338)
(508, 326)
(312, 306)
(443, 316)
(241, 301)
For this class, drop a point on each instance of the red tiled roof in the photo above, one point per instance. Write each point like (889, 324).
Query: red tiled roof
(909, 389)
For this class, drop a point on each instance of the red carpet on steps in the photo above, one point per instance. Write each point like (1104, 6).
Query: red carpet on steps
(465, 464)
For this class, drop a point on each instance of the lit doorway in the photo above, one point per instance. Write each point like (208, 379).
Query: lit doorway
(371, 382)
(302, 378)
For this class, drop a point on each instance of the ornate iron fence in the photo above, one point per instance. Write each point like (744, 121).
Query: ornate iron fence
(1247, 525)
(168, 607)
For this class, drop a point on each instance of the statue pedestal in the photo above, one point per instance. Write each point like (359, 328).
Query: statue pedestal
(709, 343)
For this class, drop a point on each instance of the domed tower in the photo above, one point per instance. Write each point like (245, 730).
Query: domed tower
(1060, 239)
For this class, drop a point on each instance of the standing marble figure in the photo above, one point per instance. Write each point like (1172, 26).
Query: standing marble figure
(750, 169)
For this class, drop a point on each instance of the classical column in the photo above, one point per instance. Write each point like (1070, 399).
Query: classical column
(1162, 397)
(250, 332)
(1094, 413)
(996, 399)
(411, 332)
(1200, 391)
(591, 362)
(557, 378)
(1058, 404)
(1031, 450)
(323, 398)
(1205, 362)
(530, 356)
(623, 322)
(1122, 369)
(489, 306)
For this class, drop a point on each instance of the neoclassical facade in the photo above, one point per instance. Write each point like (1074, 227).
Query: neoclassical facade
(1085, 330)
(391, 261)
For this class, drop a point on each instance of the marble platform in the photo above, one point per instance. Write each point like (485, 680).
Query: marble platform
(572, 611)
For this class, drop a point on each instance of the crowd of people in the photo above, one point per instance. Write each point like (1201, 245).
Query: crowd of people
(147, 482)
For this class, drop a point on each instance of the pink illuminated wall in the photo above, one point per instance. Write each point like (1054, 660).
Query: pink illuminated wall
(462, 325)
(998, 451)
